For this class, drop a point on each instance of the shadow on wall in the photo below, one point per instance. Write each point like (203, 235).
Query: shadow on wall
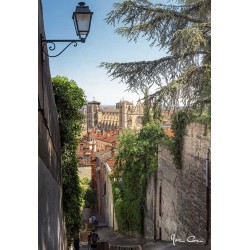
(51, 228)
(50, 214)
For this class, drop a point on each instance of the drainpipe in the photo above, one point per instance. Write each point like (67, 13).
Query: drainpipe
(207, 195)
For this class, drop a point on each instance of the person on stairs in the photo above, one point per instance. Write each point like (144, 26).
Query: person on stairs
(93, 239)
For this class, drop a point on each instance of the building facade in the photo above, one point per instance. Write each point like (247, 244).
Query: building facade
(124, 115)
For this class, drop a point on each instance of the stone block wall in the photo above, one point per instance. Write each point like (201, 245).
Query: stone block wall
(149, 211)
(181, 193)
(51, 227)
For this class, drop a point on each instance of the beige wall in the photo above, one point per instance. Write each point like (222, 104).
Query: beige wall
(109, 205)
(85, 172)
(183, 197)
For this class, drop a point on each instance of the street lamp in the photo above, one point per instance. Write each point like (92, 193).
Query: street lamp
(82, 20)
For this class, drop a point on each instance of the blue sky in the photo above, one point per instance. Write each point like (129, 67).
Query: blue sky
(102, 45)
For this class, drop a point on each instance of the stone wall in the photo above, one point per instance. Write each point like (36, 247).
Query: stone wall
(109, 211)
(51, 229)
(181, 194)
(149, 211)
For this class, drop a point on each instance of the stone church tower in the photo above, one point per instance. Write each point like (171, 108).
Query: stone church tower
(124, 115)
(92, 110)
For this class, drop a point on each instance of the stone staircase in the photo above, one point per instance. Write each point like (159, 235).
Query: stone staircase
(101, 245)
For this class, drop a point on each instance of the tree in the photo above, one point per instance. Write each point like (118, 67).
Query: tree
(183, 30)
(147, 112)
(69, 99)
(88, 195)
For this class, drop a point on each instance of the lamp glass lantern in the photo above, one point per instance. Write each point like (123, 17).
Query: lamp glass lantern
(82, 19)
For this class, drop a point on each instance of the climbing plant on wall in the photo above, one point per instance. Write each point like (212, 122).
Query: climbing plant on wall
(136, 160)
(179, 124)
(88, 195)
(179, 121)
(69, 99)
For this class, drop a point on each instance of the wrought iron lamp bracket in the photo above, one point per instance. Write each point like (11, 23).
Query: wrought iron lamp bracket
(52, 47)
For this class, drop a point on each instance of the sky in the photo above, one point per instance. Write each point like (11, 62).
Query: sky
(102, 45)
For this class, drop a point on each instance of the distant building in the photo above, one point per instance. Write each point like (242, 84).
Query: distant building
(124, 115)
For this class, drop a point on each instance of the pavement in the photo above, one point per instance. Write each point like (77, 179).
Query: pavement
(116, 238)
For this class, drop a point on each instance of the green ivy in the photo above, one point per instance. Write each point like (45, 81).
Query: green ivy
(88, 195)
(180, 120)
(69, 99)
(135, 161)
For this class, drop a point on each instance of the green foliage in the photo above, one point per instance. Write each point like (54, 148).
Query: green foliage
(203, 117)
(88, 195)
(179, 124)
(147, 116)
(69, 99)
(180, 120)
(183, 30)
(136, 160)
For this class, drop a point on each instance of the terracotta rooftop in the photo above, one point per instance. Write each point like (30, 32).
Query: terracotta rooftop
(111, 163)
(79, 153)
(103, 155)
(110, 136)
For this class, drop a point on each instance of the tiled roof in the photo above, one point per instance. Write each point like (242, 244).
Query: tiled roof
(106, 157)
(112, 137)
(79, 153)
(103, 155)
(111, 163)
